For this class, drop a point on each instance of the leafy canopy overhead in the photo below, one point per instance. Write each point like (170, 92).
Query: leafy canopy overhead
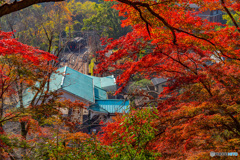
(201, 110)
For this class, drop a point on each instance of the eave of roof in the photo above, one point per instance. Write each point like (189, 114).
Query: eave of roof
(111, 106)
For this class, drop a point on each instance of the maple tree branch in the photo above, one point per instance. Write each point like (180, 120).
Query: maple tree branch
(230, 129)
(164, 22)
(208, 88)
(179, 30)
(16, 6)
(192, 70)
(172, 29)
(11, 118)
(229, 56)
(230, 15)
(181, 63)
(161, 3)
(147, 23)
(193, 61)
(135, 4)
(235, 121)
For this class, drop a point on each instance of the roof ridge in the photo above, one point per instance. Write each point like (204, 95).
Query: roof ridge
(79, 72)
(99, 88)
(101, 82)
(64, 74)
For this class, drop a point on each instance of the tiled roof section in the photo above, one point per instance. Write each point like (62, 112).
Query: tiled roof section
(157, 81)
(111, 106)
(78, 84)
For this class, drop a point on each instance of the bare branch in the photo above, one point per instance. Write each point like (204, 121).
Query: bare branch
(230, 15)
(16, 6)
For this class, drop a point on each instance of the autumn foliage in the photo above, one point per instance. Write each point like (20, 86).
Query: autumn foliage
(28, 69)
(198, 111)
(44, 131)
(18, 68)
(199, 58)
(131, 136)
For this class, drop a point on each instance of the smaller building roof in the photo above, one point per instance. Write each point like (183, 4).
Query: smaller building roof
(111, 106)
(157, 81)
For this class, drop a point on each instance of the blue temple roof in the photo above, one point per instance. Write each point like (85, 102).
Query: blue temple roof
(87, 87)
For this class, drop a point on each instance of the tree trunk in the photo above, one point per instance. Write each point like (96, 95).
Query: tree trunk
(23, 124)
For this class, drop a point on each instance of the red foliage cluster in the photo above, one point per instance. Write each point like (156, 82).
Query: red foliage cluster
(9, 45)
(20, 63)
(200, 62)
